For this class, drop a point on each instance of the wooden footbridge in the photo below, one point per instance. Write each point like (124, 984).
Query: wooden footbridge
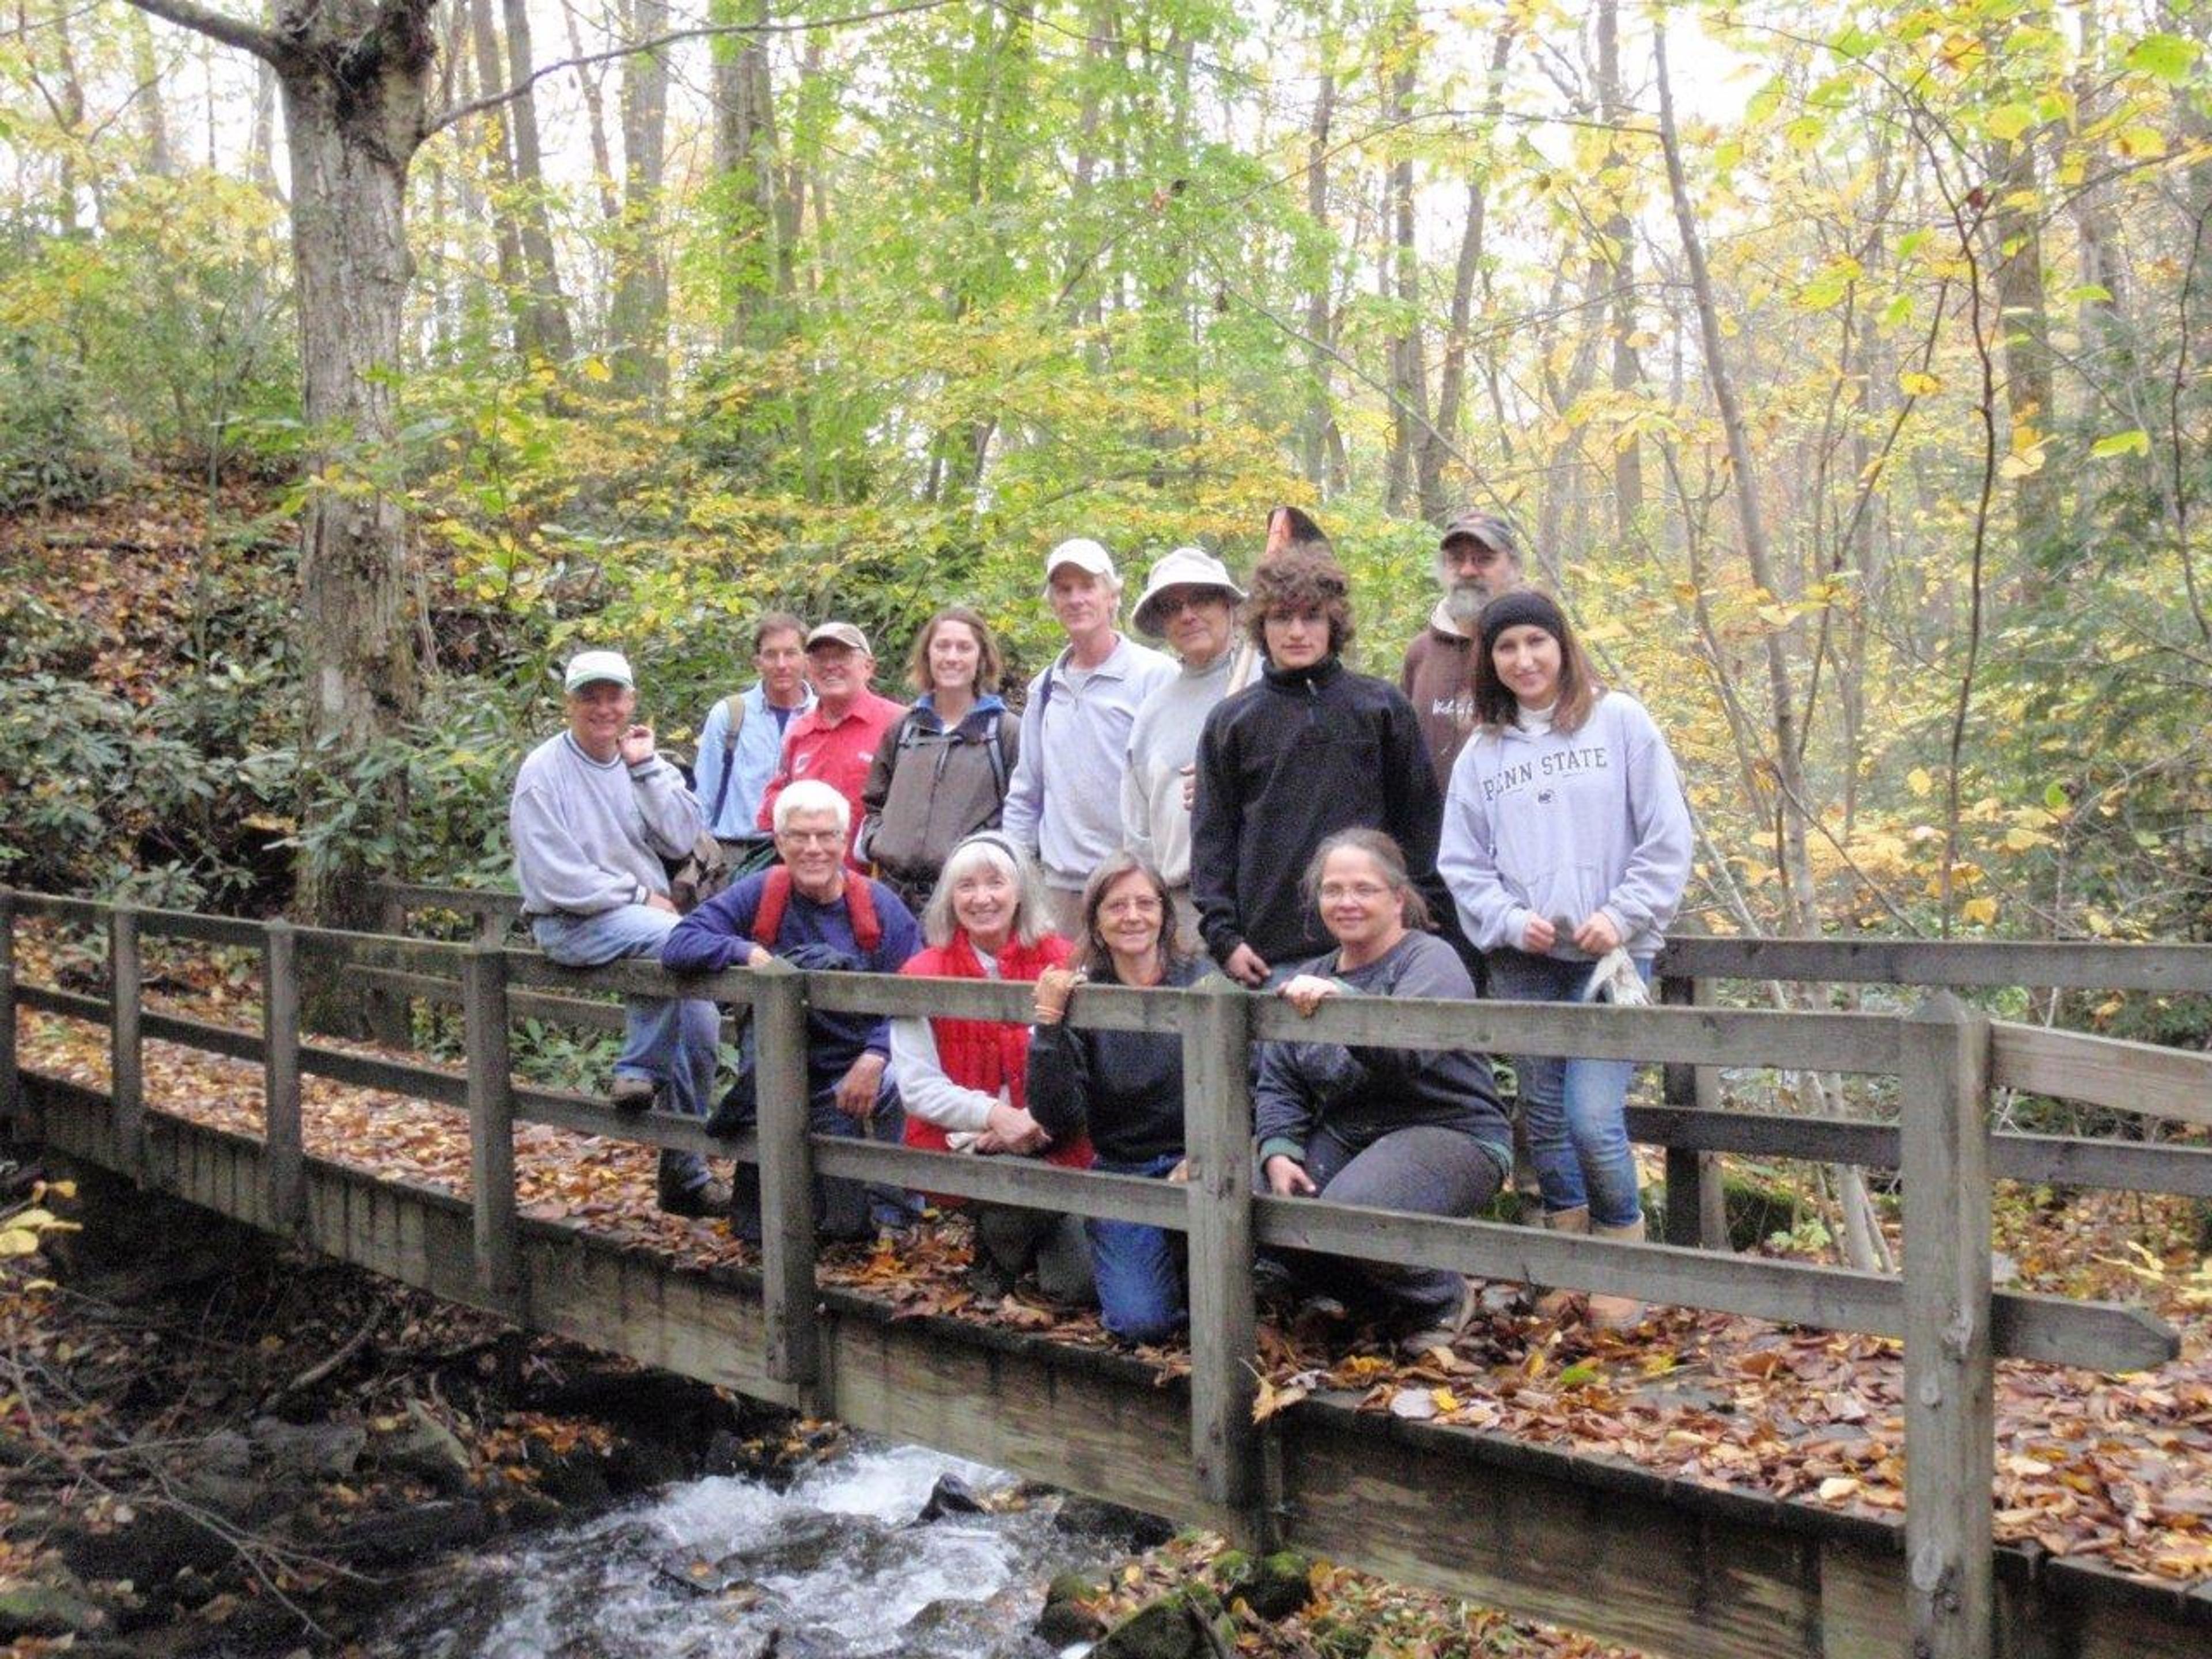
(1599, 1545)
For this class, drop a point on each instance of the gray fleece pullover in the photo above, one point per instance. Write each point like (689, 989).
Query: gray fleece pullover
(1559, 824)
(589, 836)
(1155, 824)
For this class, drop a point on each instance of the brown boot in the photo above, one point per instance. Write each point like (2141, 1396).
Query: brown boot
(1617, 1313)
(1553, 1304)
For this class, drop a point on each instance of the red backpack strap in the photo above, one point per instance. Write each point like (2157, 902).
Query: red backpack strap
(775, 897)
(861, 906)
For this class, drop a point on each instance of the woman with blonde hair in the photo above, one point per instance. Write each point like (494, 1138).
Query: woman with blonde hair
(964, 1083)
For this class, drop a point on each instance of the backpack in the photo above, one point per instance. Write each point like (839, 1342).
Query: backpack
(733, 708)
(776, 898)
(699, 874)
(909, 730)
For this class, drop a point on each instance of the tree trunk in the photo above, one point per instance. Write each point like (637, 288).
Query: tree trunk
(506, 237)
(153, 107)
(1451, 383)
(2029, 380)
(352, 138)
(1321, 440)
(1621, 250)
(1409, 396)
(548, 312)
(638, 320)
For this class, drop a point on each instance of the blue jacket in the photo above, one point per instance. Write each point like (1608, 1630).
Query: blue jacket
(752, 763)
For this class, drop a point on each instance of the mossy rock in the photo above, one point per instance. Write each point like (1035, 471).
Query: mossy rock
(1174, 1627)
(1281, 1585)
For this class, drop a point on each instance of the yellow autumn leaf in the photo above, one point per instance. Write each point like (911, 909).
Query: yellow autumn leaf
(1979, 911)
(15, 1241)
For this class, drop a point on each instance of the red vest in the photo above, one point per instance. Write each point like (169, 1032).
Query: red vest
(984, 1053)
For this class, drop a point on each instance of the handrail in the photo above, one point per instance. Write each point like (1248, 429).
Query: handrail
(1946, 1058)
(1955, 964)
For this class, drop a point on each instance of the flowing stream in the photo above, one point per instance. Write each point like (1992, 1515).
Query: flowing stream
(837, 1564)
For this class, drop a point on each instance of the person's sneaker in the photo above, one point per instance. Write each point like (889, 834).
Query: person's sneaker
(708, 1198)
(632, 1094)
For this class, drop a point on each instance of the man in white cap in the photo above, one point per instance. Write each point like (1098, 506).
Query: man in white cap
(836, 740)
(1064, 801)
(1191, 602)
(1478, 559)
(594, 812)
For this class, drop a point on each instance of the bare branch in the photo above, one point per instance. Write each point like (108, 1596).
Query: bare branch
(190, 14)
(439, 122)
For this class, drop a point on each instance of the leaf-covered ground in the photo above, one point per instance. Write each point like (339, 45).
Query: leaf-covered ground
(2117, 1468)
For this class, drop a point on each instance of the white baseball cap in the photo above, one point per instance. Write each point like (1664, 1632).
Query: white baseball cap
(1084, 555)
(589, 667)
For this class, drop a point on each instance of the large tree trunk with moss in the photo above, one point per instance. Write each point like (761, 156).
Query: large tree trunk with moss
(355, 77)
(354, 119)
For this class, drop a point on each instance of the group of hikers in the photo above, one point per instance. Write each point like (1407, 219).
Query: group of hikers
(1241, 802)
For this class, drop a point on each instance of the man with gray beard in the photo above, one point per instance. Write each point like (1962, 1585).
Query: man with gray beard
(1478, 559)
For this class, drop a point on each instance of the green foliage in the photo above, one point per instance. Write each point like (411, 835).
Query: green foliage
(55, 452)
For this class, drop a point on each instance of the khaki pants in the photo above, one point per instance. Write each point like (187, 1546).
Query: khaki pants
(1064, 909)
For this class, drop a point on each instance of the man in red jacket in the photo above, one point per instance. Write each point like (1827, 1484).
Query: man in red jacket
(836, 740)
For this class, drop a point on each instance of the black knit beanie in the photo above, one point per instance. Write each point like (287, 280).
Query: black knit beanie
(1518, 607)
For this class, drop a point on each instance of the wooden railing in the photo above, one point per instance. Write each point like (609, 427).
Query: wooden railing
(1944, 1057)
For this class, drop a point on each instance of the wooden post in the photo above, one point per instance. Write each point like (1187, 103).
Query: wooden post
(282, 1141)
(1217, 1135)
(786, 1177)
(491, 1122)
(126, 978)
(1950, 1453)
(11, 1080)
(389, 1019)
(1696, 1203)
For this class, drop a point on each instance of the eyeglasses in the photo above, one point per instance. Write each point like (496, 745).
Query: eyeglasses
(1366, 892)
(1172, 603)
(1134, 904)
(812, 837)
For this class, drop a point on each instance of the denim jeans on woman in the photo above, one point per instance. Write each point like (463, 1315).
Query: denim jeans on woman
(1571, 1107)
(669, 1040)
(1139, 1267)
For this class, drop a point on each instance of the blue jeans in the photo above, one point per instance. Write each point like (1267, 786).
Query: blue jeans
(1139, 1268)
(1577, 1136)
(669, 1040)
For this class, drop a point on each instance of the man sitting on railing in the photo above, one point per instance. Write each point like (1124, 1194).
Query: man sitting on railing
(594, 812)
(814, 912)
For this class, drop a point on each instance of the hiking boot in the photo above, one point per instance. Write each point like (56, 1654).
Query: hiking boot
(708, 1199)
(632, 1095)
(1554, 1304)
(1617, 1313)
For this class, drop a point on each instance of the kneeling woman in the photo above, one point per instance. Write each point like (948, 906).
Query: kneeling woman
(964, 1082)
(1122, 1089)
(1418, 1130)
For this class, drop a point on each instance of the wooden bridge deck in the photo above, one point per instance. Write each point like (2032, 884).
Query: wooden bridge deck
(1603, 1547)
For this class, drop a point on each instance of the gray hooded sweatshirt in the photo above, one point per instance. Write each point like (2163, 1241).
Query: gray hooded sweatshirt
(1544, 823)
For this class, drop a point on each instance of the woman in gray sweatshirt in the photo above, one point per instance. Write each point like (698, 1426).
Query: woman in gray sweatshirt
(1566, 838)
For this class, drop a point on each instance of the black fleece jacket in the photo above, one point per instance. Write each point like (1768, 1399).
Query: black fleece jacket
(1283, 765)
(1124, 1087)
